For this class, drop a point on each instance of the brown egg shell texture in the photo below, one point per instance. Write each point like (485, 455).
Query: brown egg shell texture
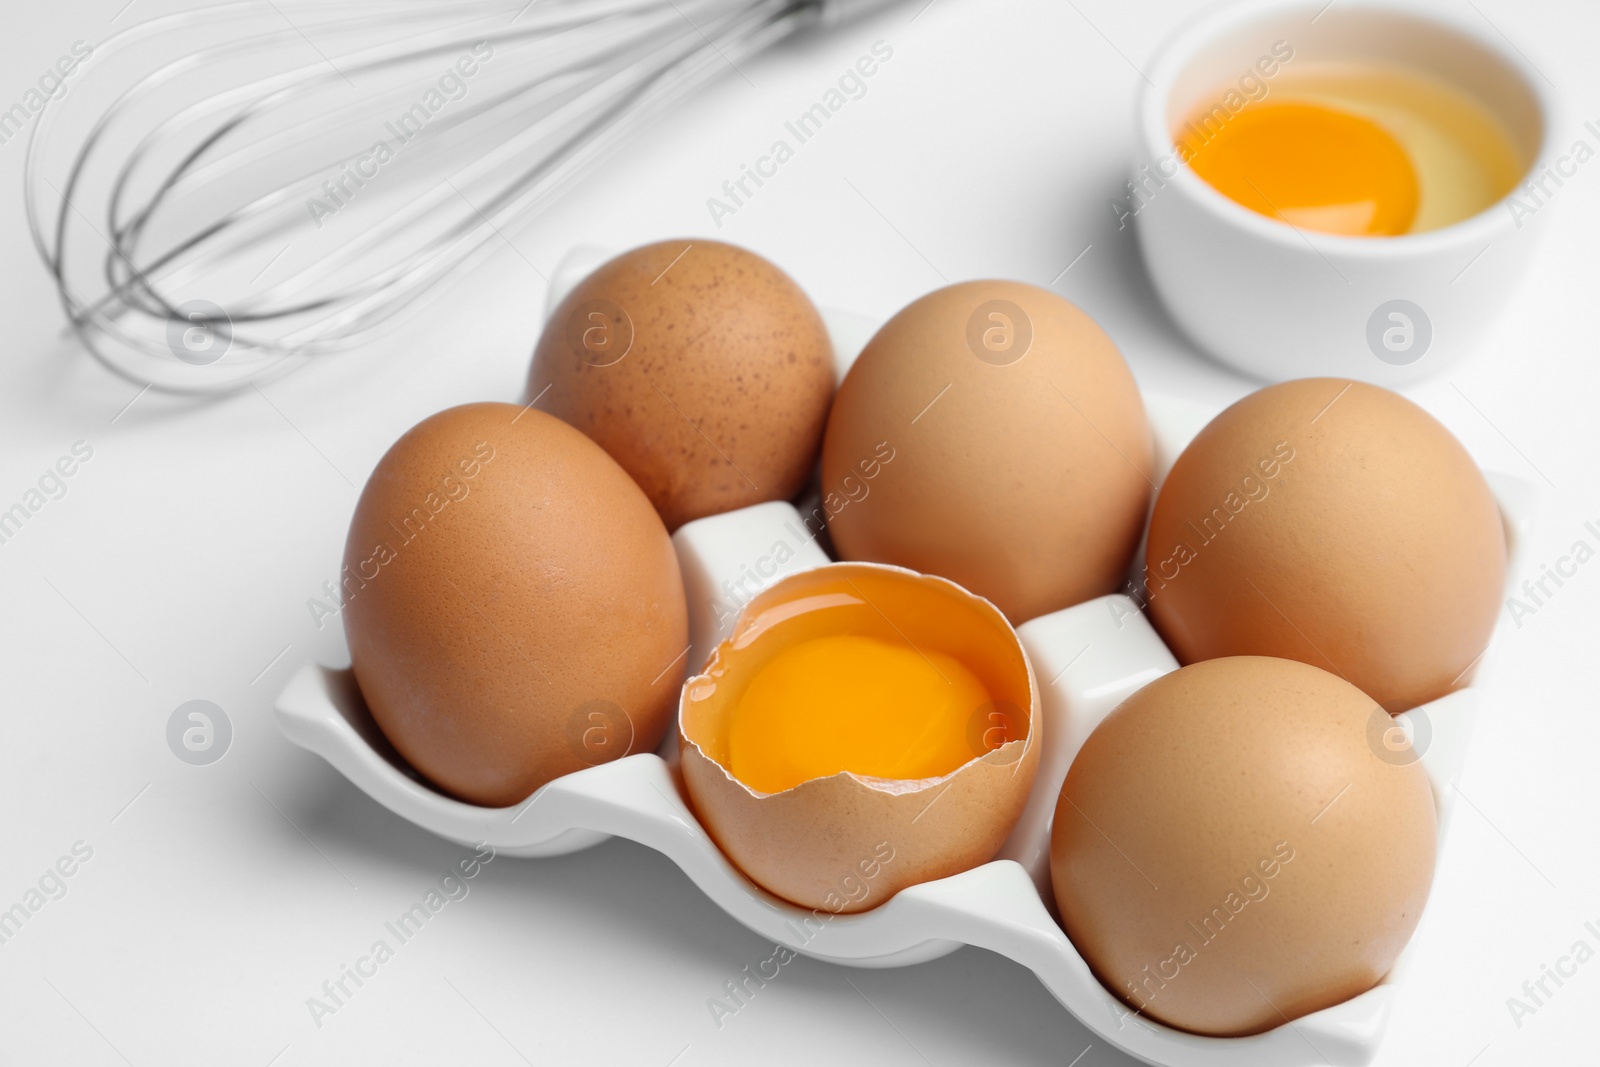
(1024, 478)
(700, 367)
(1228, 850)
(808, 844)
(517, 612)
(1335, 523)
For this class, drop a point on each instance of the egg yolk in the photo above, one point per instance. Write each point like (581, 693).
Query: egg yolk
(852, 703)
(1312, 166)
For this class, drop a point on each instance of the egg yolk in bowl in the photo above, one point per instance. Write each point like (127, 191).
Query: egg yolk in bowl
(1356, 149)
(1312, 166)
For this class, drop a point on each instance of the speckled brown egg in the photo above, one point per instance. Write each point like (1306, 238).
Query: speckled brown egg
(700, 367)
(991, 433)
(514, 608)
(1332, 522)
(1231, 851)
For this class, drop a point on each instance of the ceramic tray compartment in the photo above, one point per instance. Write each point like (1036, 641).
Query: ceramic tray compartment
(1087, 659)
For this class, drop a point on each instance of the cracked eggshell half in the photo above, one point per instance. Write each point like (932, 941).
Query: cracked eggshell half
(847, 842)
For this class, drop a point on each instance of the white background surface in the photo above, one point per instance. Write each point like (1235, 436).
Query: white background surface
(179, 564)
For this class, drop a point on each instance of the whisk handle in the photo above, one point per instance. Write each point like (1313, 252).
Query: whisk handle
(834, 12)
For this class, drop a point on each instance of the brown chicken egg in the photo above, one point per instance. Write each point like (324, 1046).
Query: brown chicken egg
(700, 367)
(513, 603)
(1230, 851)
(863, 729)
(1331, 522)
(992, 434)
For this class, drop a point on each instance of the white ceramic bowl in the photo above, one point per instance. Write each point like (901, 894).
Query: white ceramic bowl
(1088, 658)
(1279, 302)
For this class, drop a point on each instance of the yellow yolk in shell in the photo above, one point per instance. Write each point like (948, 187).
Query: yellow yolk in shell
(871, 706)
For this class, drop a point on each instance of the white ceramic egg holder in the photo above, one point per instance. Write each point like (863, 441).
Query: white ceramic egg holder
(1087, 659)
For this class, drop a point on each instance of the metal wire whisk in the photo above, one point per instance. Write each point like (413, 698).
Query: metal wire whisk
(267, 183)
